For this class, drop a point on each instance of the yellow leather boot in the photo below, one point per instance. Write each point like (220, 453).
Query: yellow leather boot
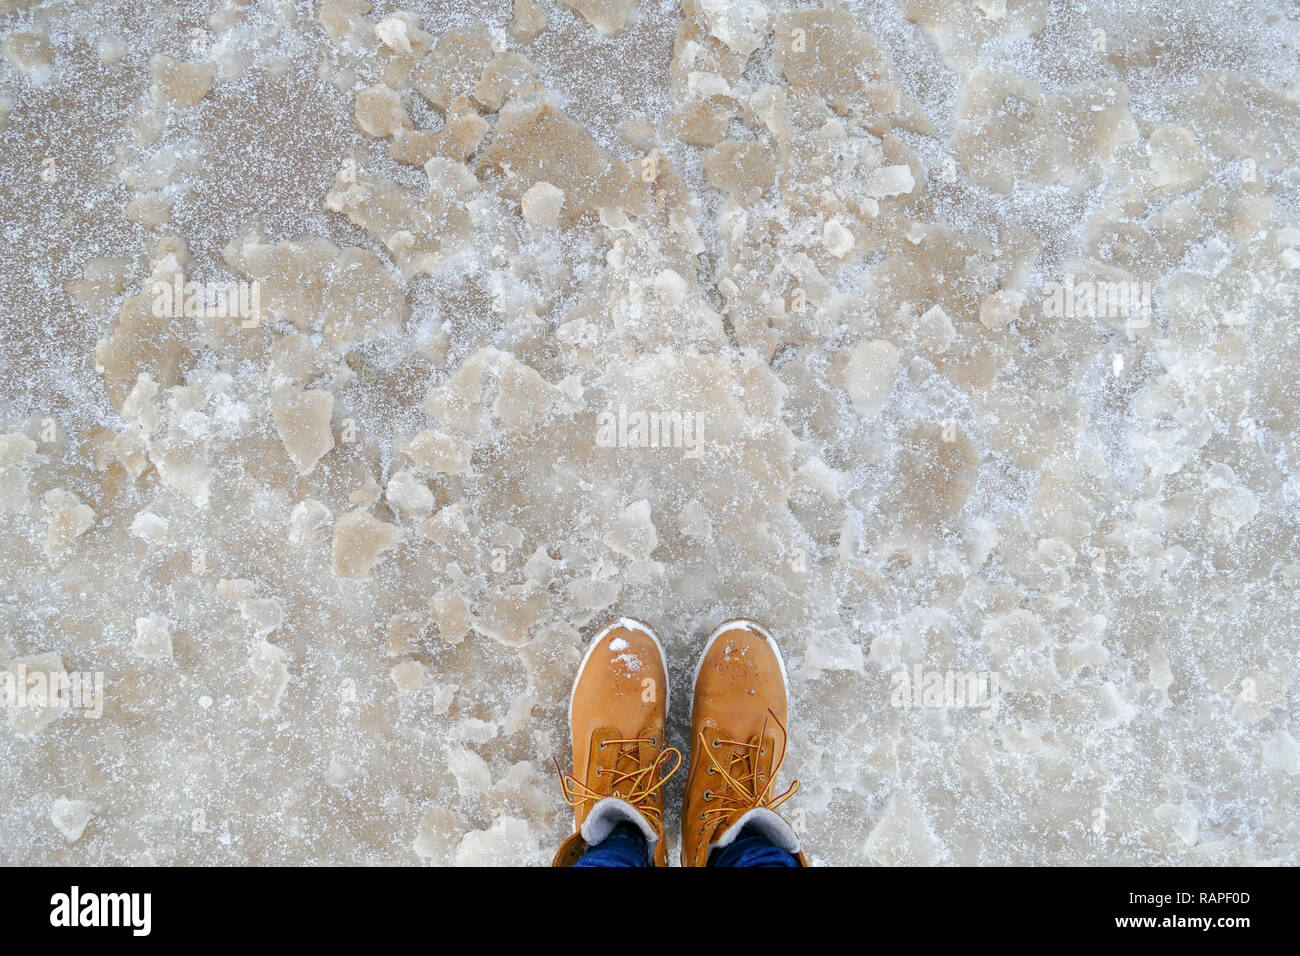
(738, 737)
(617, 712)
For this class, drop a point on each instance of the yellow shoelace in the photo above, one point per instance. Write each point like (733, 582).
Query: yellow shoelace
(643, 782)
(748, 795)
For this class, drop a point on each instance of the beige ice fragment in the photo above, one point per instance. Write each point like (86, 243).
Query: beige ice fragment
(270, 676)
(607, 16)
(524, 398)
(869, 376)
(632, 533)
(307, 517)
(409, 495)
(68, 520)
(153, 637)
(302, 420)
(528, 21)
(408, 677)
(542, 204)
(179, 84)
(15, 450)
(37, 680)
(70, 817)
(451, 615)
(438, 452)
(359, 541)
(890, 181)
(935, 330)
(438, 834)
(535, 142)
(903, 836)
(1001, 308)
(379, 111)
(30, 54)
(509, 841)
(454, 66)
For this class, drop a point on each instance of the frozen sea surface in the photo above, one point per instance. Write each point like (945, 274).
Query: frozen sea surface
(358, 362)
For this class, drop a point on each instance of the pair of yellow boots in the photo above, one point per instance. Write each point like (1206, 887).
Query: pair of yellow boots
(618, 713)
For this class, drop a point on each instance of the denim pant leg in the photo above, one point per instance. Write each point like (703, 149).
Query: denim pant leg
(752, 849)
(626, 846)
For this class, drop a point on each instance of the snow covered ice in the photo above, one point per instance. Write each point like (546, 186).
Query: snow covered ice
(945, 337)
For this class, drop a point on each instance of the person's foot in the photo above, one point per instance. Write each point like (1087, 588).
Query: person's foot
(618, 711)
(738, 743)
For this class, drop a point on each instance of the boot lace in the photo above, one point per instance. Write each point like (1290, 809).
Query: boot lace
(636, 785)
(748, 785)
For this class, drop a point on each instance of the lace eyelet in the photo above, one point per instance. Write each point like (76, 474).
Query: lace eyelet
(703, 816)
(708, 796)
(602, 745)
(598, 773)
(717, 743)
(654, 741)
(712, 771)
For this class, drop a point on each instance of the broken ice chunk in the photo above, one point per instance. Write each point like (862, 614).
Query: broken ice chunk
(392, 32)
(1183, 821)
(903, 836)
(408, 677)
(693, 521)
(451, 614)
(440, 829)
(302, 419)
(832, 651)
(264, 614)
(149, 526)
(401, 630)
(1001, 308)
(869, 376)
(68, 520)
(471, 730)
(671, 288)
(36, 681)
(359, 540)
(508, 841)
(439, 453)
(236, 590)
(589, 594)
(15, 449)
(30, 54)
(740, 25)
(607, 16)
(70, 817)
(307, 516)
(270, 677)
(541, 204)
(528, 22)
(633, 533)
(935, 330)
(837, 239)
(540, 567)
(379, 111)
(890, 181)
(179, 84)
(409, 495)
(153, 637)
(512, 614)
(524, 398)
(473, 778)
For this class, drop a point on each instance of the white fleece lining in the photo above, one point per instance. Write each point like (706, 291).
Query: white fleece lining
(609, 813)
(765, 822)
